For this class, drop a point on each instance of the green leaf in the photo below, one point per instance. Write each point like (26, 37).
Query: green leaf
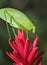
(16, 19)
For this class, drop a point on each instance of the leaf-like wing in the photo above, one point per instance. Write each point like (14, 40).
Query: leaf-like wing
(19, 20)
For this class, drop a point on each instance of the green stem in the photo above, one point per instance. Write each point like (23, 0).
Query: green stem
(12, 27)
(27, 34)
(7, 26)
(13, 31)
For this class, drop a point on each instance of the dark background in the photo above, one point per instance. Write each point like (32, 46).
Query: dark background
(36, 10)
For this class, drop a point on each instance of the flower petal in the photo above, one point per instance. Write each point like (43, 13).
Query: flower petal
(26, 48)
(32, 54)
(13, 46)
(35, 43)
(18, 64)
(21, 34)
(13, 57)
(19, 45)
(39, 61)
(38, 56)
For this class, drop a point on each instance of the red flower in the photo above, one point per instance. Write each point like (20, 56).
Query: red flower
(22, 54)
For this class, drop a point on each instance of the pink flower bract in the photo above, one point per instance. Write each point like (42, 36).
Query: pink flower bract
(22, 53)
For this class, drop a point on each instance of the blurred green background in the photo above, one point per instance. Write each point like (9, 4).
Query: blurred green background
(36, 10)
